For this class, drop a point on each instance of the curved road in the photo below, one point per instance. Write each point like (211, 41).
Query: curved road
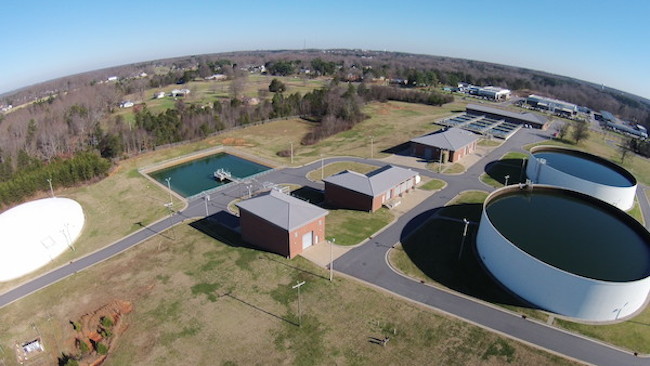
(368, 262)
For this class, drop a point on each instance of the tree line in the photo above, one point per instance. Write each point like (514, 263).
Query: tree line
(36, 176)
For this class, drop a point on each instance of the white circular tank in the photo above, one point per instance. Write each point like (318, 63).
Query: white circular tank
(582, 172)
(565, 252)
(35, 233)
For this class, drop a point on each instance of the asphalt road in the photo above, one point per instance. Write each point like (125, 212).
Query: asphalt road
(368, 262)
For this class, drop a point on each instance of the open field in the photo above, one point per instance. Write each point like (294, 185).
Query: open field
(440, 265)
(200, 302)
(206, 92)
(413, 120)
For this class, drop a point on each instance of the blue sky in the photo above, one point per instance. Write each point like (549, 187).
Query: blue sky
(601, 41)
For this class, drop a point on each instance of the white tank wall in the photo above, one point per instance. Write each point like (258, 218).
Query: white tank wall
(35, 233)
(539, 173)
(553, 289)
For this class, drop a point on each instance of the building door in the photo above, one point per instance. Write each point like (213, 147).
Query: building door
(307, 240)
(428, 153)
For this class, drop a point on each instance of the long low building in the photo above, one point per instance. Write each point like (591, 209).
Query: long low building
(368, 192)
(531, 119)
(449, 145)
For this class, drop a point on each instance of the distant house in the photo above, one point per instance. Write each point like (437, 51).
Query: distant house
(112, 78)
(448, 145)
(368, 192)
(159, 95)
(280, 223)
(216, 77)
(127, 104)
(179, 92)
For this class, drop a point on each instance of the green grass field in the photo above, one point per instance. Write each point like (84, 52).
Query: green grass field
(201, 302)
(433, 185)
(350, 227)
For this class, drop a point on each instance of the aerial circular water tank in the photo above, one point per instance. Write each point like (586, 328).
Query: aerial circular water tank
(35, 233)
(582, 172)
(566, 252)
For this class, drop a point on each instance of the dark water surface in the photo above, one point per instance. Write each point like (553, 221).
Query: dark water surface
(196, 176)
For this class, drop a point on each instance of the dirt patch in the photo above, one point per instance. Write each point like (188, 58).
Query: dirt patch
(95, 333)
(231, 141)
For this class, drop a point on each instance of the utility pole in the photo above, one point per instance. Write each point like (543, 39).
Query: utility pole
(206, 198)
(462, 242)
(322, 168)
(169, 187)
(298, 286)
(291, 152)
(372, 147)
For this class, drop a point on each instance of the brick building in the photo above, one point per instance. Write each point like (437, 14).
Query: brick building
(281, 224)
(452, 144)
(367, 192)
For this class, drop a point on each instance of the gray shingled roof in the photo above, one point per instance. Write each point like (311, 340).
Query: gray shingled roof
(374, 183)
(282, 210)
(452, 139)
(526, 117)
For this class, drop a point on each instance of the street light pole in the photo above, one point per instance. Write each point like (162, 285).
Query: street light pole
(206, 198)
(506, 177)
(169, 187)
(332, 258)
(298, 286)
(49, 180)
(462, 242)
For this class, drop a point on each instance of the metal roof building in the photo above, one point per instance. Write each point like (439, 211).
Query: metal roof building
(280, 223)
(368, 192)
(455, 143)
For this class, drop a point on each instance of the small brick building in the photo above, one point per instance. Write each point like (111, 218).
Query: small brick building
(281, 224)
(453, 144)
(367, 192)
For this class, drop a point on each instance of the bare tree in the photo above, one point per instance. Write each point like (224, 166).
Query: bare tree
(580, 131)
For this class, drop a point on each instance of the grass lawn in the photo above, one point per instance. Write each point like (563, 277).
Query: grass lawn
(414, 120)
(636, 212)
(334, 168)
(433, 185)
(490, 143)
(350, 227)
(454, 168)
(509, 165)
(198, 301)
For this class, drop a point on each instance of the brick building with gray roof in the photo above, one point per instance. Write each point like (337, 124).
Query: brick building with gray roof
(280, 223)
(368, 192)
(448, 145)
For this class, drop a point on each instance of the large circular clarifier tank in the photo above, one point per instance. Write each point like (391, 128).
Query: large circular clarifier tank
(582, 172)
(565, 251)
